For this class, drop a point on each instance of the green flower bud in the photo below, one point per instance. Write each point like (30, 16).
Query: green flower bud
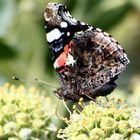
(123, 126)
(90, 126)
(96, 134)
(125, 116)
(136, 130)
(9, 109)
(10, 127)
(22, 118)
(107, 123)
(122, 116)
(37, 123)
(38, 114)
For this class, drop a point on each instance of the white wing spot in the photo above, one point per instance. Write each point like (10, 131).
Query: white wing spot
(70, 60)
(68, 33)
(64, 24)
(82, 23)
(53, 35)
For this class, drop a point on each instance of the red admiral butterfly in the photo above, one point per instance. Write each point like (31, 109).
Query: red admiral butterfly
(87, 60)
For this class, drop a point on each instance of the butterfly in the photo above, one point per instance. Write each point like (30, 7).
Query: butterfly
(86, 59)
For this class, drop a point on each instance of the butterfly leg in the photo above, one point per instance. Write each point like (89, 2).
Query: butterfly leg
(94, 100)
(60, 78)
(107, 100)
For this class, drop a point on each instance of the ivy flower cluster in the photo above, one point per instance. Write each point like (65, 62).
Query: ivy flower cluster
(112, 120)
(25, 114)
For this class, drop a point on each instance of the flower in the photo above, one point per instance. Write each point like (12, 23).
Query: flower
(25, 114)
(112, 120)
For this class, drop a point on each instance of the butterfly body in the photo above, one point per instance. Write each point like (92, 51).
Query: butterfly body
(87, 60)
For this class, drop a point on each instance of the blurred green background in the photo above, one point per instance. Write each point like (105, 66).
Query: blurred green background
(23, 48)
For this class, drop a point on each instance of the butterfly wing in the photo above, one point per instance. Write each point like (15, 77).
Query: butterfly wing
(100, 55)
(98, 60)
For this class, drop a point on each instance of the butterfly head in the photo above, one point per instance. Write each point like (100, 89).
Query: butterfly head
(57, 16)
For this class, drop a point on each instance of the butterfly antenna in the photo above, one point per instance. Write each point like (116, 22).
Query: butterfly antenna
(45, 83)
(19, 79)
(107, 100)
(35, 81)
